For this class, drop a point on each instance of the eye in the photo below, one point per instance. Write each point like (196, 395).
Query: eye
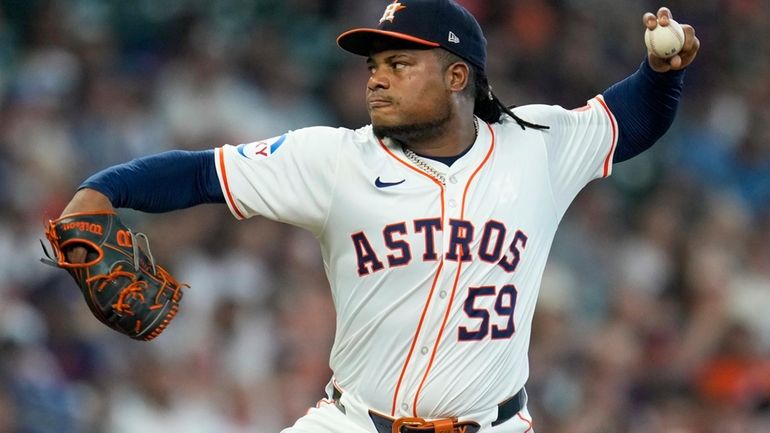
(398, 65)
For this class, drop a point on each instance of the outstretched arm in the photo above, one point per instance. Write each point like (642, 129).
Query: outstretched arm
(645, 103)
(160, 183)
(157, 183)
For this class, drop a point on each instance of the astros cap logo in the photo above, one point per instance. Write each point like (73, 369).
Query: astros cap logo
(390, 11)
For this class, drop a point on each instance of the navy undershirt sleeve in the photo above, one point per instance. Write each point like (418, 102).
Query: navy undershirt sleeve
(644, 105)
(160, 183)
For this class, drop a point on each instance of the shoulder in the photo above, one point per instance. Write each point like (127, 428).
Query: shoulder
(308, 141)
(537, 113)
(327, 136)
(540, 114)
(319, 134)
(556, 116)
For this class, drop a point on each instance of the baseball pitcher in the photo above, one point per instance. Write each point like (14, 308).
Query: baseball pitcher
(435, 221)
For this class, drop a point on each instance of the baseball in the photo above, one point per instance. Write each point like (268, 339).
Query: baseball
(665, 41)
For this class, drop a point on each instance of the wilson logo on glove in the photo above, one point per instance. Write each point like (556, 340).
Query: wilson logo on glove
(83, 226)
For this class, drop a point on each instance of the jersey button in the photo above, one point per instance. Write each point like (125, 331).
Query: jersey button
(452, 202)
(405, 406)
(452, 179)
(442, 294)
(424, 350)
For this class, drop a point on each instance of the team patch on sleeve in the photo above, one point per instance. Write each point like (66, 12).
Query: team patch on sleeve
(261, 149)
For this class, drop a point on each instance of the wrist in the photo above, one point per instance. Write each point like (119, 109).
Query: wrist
(670, 76)
(88, 200)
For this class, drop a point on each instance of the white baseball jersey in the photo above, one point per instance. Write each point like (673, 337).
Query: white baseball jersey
(434, 283)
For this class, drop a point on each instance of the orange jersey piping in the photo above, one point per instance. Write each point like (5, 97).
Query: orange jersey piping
(608, 158)
(228, 194)
(432, 287)
(457, 275)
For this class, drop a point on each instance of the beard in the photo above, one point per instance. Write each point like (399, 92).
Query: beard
(418, 131)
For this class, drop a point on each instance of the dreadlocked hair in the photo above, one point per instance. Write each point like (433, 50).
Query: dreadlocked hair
(486, 105)
(489, 107)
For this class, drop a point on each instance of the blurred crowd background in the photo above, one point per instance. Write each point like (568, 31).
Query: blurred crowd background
(655, 307)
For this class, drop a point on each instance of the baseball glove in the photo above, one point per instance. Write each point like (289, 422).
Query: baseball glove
(122, 285)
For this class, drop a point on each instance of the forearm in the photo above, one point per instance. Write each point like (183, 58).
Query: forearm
(644, 105)
(158, 183)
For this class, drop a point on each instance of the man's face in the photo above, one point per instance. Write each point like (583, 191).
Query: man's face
(407, 95)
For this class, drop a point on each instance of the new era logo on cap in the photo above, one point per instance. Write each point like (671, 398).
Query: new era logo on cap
(453, 38)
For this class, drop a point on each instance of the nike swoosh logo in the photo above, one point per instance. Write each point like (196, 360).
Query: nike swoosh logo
(380, 184)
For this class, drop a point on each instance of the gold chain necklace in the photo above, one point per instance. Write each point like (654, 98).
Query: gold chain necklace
(428, 169)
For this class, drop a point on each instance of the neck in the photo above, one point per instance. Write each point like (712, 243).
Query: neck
(455, 137)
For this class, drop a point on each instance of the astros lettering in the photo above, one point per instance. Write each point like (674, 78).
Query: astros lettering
(461, 235)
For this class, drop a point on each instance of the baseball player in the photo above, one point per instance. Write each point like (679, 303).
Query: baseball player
(435, 221)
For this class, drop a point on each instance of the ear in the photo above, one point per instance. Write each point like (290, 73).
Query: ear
(457, 75)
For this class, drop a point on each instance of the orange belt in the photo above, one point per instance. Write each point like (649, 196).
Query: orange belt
(385, 424)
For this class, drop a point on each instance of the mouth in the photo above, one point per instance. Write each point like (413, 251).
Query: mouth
(379, 102)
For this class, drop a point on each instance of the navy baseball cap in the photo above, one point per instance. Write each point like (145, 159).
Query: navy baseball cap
(430, 23)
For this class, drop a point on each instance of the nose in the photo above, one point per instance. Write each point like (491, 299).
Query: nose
(378, 80)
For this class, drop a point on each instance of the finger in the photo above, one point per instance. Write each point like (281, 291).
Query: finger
(695, 46)
(650, 20)
(77, 255)
(689, 37)
(689, 55)
(675, 62)
(664, 12)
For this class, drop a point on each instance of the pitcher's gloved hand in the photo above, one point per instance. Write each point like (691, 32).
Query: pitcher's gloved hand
(121, 284)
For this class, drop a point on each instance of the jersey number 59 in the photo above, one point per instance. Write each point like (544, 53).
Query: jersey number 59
(504, 307)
